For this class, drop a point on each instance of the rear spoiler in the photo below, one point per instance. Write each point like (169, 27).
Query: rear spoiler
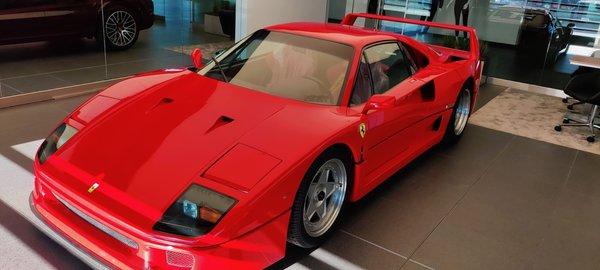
(350, 18)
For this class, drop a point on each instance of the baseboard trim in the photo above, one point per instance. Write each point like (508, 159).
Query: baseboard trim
(527, 87)
(57, 93)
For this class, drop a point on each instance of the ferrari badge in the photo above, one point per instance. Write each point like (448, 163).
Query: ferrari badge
(93, 187)
(362, 130)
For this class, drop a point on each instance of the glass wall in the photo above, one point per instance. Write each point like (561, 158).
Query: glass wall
(527, 41)
(50, 44)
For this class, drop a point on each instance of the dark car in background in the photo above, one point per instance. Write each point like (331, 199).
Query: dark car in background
(114, 22)
(542, 32)
(538, 31)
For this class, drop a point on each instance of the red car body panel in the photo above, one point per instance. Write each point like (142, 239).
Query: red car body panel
(147, 139)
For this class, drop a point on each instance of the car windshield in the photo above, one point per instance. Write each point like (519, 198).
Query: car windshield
(286, 65)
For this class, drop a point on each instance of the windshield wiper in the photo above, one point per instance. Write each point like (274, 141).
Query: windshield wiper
(220, 68)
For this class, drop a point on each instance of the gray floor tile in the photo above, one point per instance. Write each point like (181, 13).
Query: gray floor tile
(409, 265)
(344, 251)
(70, 104)
(81, 76)
(585, 175)
(453, 246)
(6, 90)
(28, 122)
(35, 83)
(571, 240)
(478, 144)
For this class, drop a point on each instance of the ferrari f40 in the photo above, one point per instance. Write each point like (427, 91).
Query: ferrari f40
(219, 165)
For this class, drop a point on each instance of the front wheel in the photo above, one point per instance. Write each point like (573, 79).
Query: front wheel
(319, 200)
(460, 117)
(119, 30)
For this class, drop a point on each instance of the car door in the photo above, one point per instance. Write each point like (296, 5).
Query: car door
(72, 17)
(22, 20)
(385, 69)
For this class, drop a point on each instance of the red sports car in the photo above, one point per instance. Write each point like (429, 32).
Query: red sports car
(218, 166)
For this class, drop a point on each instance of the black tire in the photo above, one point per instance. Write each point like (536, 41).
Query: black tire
(297, 233)
(103, 35)
(450, 135)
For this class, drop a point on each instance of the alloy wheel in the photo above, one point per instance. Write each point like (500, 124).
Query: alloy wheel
(325, 197)
(461, 114)
(121, 28)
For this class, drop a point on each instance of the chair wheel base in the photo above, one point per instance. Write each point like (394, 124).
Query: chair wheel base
(591, 139)
(558, 128)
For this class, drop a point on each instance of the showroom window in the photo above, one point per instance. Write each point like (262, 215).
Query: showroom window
(528, 41)
(57, 45)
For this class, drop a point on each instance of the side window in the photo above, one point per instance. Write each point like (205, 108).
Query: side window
(362, 87)
(388, 66)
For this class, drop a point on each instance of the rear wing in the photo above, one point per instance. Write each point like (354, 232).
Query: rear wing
(350, 18)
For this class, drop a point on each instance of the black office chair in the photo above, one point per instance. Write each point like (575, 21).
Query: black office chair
(580, 70)
(585, 88)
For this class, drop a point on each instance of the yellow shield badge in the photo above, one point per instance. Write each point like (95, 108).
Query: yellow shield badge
(362, 130)
(93, 187)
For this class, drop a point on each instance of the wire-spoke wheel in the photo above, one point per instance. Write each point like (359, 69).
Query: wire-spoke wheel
(320, 199)
(325, 196)
(120, 28)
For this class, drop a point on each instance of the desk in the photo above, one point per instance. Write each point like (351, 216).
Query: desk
(585, 61)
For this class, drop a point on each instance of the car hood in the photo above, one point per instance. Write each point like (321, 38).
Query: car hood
(151, 146)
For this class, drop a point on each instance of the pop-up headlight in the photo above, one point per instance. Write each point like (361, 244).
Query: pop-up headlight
(55, 141)
(195, 213)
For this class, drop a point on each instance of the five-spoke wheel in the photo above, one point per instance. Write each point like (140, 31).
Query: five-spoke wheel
(325, 196)
(320, 199)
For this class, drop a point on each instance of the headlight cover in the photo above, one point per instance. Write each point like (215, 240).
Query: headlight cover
(195, 213)
(55, 141)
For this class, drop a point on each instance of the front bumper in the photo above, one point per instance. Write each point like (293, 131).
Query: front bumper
(254, 250)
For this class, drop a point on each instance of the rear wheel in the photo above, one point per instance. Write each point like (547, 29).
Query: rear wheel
(320, 200)
(460, 117)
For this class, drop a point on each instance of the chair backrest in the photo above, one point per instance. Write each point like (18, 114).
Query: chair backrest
(585, 87)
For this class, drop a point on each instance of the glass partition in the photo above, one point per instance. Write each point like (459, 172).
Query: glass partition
(528, 41)
(63, 44)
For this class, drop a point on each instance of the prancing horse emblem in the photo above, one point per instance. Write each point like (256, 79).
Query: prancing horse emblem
(93, 187)
(362, 130)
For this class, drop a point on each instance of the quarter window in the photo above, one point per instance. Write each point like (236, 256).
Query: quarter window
(388, 66)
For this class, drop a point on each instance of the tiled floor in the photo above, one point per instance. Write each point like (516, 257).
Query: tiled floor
(493, 201)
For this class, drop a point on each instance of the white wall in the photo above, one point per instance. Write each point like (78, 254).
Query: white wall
(252, 15)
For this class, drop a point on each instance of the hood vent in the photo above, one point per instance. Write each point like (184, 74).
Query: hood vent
(163, 101)
(221, 121)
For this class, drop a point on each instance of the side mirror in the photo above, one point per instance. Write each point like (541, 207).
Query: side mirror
(197, 58)
(379, 102)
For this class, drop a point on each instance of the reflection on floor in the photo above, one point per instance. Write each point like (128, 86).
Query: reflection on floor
(26, 68)
(493, 201)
